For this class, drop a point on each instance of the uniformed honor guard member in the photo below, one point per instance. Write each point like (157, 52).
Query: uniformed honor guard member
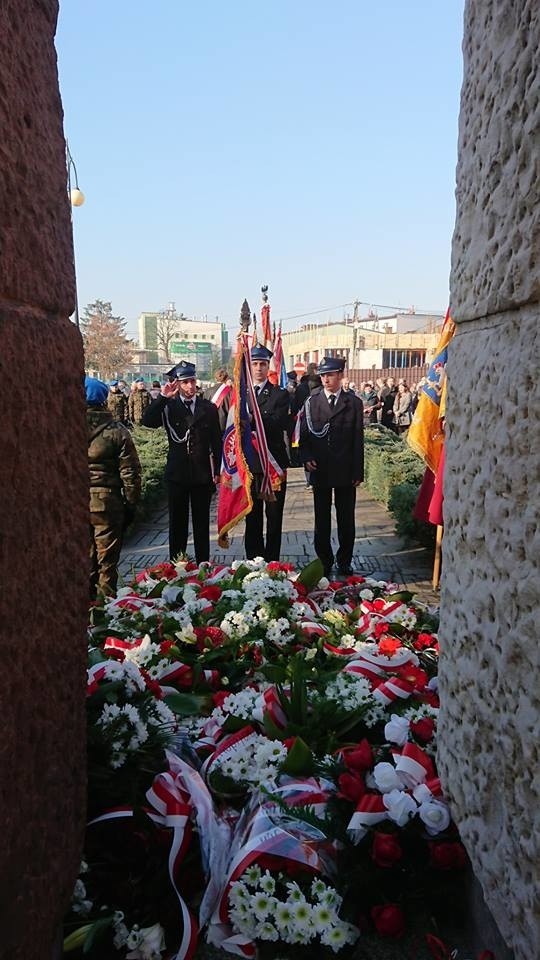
(116, 402)
(139, 400)
(332, 449)
(115, 487)
(193, 461)
(273, 403)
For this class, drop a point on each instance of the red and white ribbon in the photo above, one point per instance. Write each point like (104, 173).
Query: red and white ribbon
(370, 810)
(393, 689)
(414, 766)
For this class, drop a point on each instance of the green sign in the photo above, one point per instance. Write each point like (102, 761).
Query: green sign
(198, 353)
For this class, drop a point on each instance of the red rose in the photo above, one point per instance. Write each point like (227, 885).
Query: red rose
(386, 849)
(381, 627)
(423, 729)
(351, 787)
(165, 646)
(447, 856)
(212, 593)
(359, 757)
(335, 585)
(389, 920)
(191, 566)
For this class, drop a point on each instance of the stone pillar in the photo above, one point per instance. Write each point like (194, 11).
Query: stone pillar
(489, 600)
(44, 498)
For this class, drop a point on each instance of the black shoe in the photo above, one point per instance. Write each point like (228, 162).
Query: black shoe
(327, 571)
(345, 569)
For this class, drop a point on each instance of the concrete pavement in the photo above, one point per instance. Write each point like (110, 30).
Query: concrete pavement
(378, 552)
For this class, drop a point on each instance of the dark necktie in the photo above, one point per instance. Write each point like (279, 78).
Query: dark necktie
(332, 401)
(187, 404)
(257, 389)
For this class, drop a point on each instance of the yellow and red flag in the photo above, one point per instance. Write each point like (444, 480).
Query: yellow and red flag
(425, 435)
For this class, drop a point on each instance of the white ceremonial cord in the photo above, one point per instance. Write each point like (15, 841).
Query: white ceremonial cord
(172, 432)
(309, 421)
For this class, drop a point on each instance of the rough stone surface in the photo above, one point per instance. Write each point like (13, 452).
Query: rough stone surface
(490, 739)
(497, 236)
(490, 731)
(43, 499)
(36, 250)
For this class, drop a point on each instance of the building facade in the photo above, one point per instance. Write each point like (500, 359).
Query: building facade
(371, 343)
(166, 337)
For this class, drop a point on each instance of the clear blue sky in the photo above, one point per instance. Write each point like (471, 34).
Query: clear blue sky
(306, 144)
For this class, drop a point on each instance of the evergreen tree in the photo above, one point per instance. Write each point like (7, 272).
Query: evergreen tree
(106, 347)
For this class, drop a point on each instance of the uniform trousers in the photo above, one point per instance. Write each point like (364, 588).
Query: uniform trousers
(106, 529)
(254, 536)
(181, 496)
(345, 500)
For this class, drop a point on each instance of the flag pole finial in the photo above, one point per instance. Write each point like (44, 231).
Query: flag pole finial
(245, 317)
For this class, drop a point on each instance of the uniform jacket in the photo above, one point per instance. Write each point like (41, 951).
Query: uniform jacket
(340, 453)
(138, 401)
(191, 439)
(117, 404)
(273, 403)
(115, 470)
(308, 383)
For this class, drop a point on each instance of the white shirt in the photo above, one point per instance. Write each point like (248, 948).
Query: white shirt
(328, 394)
(259, 387)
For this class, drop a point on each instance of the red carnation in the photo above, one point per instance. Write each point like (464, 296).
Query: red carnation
(388, 646)
(423, 729)
(359, 757)
(389, 920)
(423, 641)
(380, 628)
(351, 787)
(414, 675)
(386, 849)
(212, 593)
(447, 856)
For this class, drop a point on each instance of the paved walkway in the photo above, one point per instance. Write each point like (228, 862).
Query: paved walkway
(378, 552)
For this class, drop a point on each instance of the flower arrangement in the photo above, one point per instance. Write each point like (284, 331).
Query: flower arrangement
(262, 765)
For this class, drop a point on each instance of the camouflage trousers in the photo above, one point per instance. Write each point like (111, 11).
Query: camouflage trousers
(106, 529)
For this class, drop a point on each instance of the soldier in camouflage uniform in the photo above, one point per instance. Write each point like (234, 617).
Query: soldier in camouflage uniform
(117, 403)
(115, 486)
(139, 400)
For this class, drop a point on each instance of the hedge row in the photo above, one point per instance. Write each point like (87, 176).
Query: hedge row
(393, 475)
(152, 446)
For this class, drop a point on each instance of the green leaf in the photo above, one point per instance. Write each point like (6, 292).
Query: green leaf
(404, 595)
(311, 574)
(300, 761)
(274, 672)
(187, 704)
(96, 932)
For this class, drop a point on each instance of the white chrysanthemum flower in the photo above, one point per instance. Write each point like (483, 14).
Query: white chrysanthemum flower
(267, 883)
(323, 917)
(262, 905)
(284, 919)
(252, 874)
(266, 931)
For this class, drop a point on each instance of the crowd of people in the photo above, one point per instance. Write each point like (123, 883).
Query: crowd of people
(316, 422)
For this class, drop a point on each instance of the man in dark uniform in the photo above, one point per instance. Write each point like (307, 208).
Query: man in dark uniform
(332, 449)
(115, 487)
(193, 461)
(273, 403)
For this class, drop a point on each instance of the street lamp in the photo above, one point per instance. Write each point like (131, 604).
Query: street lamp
(76, 198)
